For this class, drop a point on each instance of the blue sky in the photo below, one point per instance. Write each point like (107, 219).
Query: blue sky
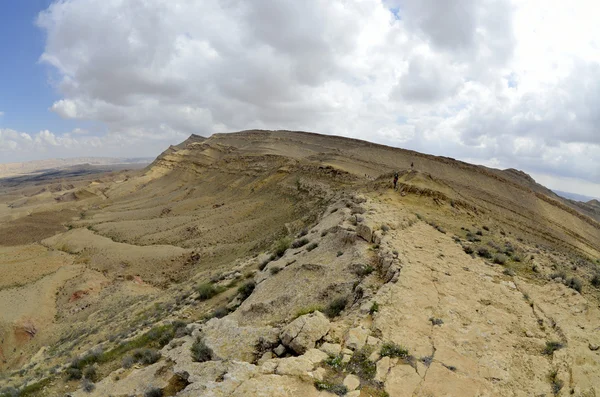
(26, 91)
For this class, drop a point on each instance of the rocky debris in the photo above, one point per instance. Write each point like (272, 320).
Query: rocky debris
(351, 382)
(363, 231)
(332, 349)
(279, 350)
(356, 338)
(230, 341)
(302, 333)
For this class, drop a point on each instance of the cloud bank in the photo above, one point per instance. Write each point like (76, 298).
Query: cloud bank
(508, 84)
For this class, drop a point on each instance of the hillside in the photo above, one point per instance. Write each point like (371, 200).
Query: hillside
(279, 263)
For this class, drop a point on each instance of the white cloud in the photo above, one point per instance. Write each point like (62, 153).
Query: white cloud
(516, 83)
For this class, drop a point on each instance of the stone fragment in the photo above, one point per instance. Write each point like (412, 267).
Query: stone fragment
(356, 338)
(332, 349)
(351, 382)
(302, 333)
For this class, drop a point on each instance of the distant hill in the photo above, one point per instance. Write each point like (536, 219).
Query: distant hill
(28, 167)
(574, 196)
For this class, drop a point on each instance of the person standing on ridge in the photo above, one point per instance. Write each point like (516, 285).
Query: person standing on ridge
(395, 179)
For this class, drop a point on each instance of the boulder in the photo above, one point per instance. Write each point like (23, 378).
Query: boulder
(301, 334)
(332, 349)
(351, 382)
(230, 341)
(363, 231)
(356, 338)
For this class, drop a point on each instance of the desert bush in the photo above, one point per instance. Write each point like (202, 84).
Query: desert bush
(90, 373)
(153, 392)
(361, 366)
(517, 258)
(73, 373)
(128, 362)
(484, 252)
(479, 233)
(556, 383)
(146, 356)
(303, 233)
(246, 290)
(300, 243)
(9, 392)
(509, 272)
(335, 362)
(468, 249)
(312, 246)
(333, 388)
(219, 312)
(87, 385)
(282, 246)
(436, 321)
(575, 283)
(274, 270)
(427, 360)
(207, 291)
(500, 259)
(551, 347)
(561, 274)
(335, 307)
(596, 280)
(374, 308)
(487, 229)
(392, 350)
(264, 264)
(339, 253)
(200, 352)
(324, 233)
(385, 228)
(308, 310)
(450, 367)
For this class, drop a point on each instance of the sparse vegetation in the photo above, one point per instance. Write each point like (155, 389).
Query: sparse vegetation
(246, 290)
(300, 243)
(281, 246)
(484, 252)
(87, 385)
(556, 383)
(145, 356)
(551, 347)
(500, 259)
(361, 366)
(374, 308)
(468, 249)
(340, 253)
(509, 272)
(90, 373)
(200, 352)
(335, 362)
(274, 270)
(333, 388)
(312, 246)
(575, 284)
(436, 321)
(336, 307)
(392, 350)
(595, 280)
(308, 310)
(208, 290)
(73, 373)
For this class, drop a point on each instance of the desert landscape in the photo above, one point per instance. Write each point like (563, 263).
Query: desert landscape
(281, 263)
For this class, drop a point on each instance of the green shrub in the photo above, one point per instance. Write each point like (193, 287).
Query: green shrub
(484, 252)
(500, 259)
(340, 253)
(90, 373)
(468, 249)
(308, 310)
(361, 366)
(128, 362)
(146, 356)
(374, 308)
(200, 352)
(312, 246)
(575, 283)
(596, 280)
(274, 270)
(509, 272)
(335, 308)
(300, 243)
(246, 290)
(337, 389)
(390, 349)
(73, 373)
(436, 321)
(335, 362)
(207, 291)
(551, 347)
(281, 247)
(556, 383)
(88, 386)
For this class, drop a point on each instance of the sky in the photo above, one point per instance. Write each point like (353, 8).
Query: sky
(503, 83)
